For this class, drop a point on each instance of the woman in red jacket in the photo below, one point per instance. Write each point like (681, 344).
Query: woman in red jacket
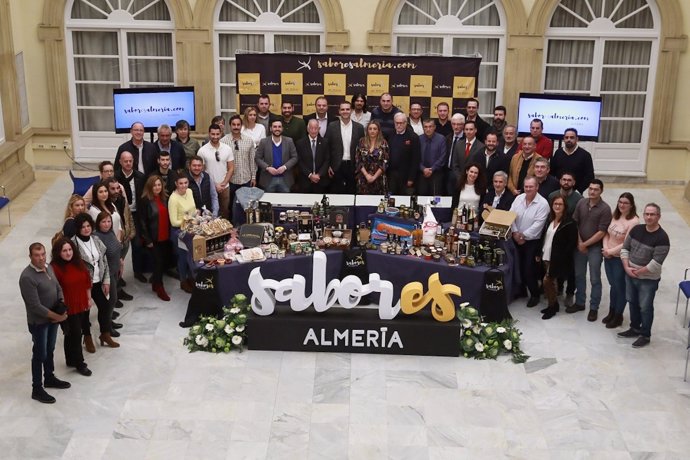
(75, 281)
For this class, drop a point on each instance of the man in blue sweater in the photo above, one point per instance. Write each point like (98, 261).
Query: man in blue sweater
(644, 251)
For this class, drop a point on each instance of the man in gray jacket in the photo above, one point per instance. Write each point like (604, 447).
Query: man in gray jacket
(275, 158)
(40, 291)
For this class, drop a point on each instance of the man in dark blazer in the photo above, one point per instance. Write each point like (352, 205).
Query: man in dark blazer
(509, 145)
(404, 158)
(498, 196)
(342, 167)
(313, 161)
(176, 150)
(455, 156)
(464, 150)
(321, 115)
(275, 157)
(144, 152)
(490, 159)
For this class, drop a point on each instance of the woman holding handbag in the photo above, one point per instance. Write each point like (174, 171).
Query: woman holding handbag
(155, 229)
(75, 282)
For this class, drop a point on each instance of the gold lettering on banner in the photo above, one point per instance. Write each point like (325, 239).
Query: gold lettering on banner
(377, 84)
(309, 103)
(334, 84)
(249, 83)
(463, 87)
(421, 85)
(413, 298)
(291, 83)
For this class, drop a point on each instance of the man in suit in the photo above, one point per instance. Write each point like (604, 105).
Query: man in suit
(472, 115)
(498, 197)
(509, 146)
(144, 152)
(490, 159)
(132, 182)
(455, 162)
(404, 158)
(433, 158)
(174, 148)
(321, 115)
(342, 137)
(275, 157)
(313, 160)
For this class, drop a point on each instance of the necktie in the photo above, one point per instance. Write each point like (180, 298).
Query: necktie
(452, 148)
(313, 154)
(468, 145)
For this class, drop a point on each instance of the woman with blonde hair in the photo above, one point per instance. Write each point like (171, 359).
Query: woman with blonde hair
(250, 127)
(76, 205)
(371, 159)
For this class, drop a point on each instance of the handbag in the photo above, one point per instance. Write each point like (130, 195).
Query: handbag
(59, 307)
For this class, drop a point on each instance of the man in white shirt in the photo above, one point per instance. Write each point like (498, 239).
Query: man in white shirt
(415, 118)
(219, 164)
(321, 115)
(532, 210)
(342, 137)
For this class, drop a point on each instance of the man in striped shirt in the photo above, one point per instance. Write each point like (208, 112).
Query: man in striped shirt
(644, 251)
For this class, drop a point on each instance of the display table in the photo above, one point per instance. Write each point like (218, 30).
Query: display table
(363, 205)
(216, 286)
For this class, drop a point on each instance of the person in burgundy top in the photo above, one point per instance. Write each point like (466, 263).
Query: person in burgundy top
(544, 144)
(155, 229)
(75, 281)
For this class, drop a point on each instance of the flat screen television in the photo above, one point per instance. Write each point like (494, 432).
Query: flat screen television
(153, 107)
(559, 112)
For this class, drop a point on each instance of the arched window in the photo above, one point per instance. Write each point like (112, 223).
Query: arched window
(262, 26)
(608, 48)
(457, 28)
(113, 44)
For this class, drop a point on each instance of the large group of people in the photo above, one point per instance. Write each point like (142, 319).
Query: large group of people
(143, 196)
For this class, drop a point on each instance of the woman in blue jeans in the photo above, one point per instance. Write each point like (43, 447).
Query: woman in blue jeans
(623, 220)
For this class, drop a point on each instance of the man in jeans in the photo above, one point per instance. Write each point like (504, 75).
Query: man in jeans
(644, 251)
(593, 217)
(40, 291)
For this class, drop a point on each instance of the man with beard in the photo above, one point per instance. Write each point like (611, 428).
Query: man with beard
(403, 161)
(219, 163)
(415, 118)
(321, 115)
(472, 115)
(443, 126)
(292, 127)
(275, 158)
(571, 157)
(168, 175)
(499, 121)
(384, 113)
(342, 137)
(263, 113)
(491, 160)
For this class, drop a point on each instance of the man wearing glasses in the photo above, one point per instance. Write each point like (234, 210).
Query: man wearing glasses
(644, 251)
(220, 165)
(243, 151)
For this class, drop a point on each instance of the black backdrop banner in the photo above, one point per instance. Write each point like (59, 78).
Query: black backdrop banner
(301, 78)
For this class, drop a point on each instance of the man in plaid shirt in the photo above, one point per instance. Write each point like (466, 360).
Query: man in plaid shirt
(243, 149)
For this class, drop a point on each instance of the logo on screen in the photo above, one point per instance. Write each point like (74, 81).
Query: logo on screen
(304, 64)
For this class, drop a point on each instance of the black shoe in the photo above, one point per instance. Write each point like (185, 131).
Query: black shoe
(40, 395)
(54, 382)
(116, 325)
(641, 341)
(140, 277)
(84, 370)
(121, 294)
(185, 325)
(549, 313)
(533, 301)
(592, 315)
(119, 304)
(115, 315)
(574, 308)
(121, 283)
(114, 333)
(630, 333)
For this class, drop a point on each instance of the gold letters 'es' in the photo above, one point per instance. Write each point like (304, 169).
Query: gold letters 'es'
(413, 298)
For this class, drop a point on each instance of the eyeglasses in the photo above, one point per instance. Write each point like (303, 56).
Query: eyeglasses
(217, 156)
(237, 147)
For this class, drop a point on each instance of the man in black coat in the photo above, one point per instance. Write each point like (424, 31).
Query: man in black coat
(143, 152)
(498, 197)
(321, 115)
(176, 150)
(404, 158)
(490, 159)
(342, 151)
(313, 160)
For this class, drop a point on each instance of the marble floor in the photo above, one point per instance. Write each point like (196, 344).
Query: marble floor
(584, 394)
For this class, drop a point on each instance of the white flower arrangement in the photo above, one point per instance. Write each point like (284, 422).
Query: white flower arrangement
(481, 340)
(221, 334)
